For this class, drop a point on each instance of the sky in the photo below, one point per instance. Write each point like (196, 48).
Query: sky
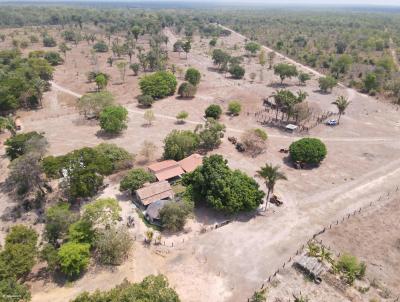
(249, 2)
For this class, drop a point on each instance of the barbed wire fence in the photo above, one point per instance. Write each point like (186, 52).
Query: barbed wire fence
(383, 197)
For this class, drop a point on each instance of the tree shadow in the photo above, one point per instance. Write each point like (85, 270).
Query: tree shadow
(107, 136)
(278, 85)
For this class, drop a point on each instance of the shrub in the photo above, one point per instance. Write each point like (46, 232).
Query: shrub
(210, 135)
(304, 77)
(181, 116)
(73, 258)
(49, 41)
(81, 232)
(173, 215)
(180, 144)
(234, 108)
(159, 84)
(9, 287)
(53, 58)
(214, 111)
(252, 47)
(100, 46)
(255, 141)
(308, 150)
(351, 267)
(224, 189)
(113, 245)
(187, 90)
(135, 67)
(327, 83)
(145, 100)
(237, 71)
(135, 179)
(113, 119)
(193, 76)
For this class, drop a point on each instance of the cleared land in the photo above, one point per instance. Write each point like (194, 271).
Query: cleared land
(226, 264)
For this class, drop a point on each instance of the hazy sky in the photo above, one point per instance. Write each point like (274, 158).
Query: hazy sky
(274, 2)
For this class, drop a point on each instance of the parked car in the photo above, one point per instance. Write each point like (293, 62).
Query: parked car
(332, 123)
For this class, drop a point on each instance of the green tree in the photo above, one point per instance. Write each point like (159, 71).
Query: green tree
(9, 287)
(234, 107)
(308, 150)
(210, 134)
(252, 47)
(113, 119)
(100, 46)
(371, 82)
(49, 41)
(19, 254)
(327, 83)
(187, 90)
(152, 288)
(136, 31)
(341, 65)
(186, 47)
(135, 67)
(224, 189)
(214, 111)
(101, 81)
(20, 144)
(341, 103)
(58, 219)
(237, 71)
(193, 76)
(173, 215)
(270, 174)
(304, 77)
(53, 58)
(159, 84)
(145, 100)
(73, 258)
(180, 144)
(285, 71)
(135, 179)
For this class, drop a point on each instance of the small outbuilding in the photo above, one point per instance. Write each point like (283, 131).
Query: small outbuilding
(153, 210)
(166, 170)
(153, 192)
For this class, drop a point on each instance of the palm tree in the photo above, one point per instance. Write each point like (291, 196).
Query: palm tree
(341, 103)
(271, 175)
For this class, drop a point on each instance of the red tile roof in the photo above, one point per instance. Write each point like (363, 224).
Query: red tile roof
(191, 162)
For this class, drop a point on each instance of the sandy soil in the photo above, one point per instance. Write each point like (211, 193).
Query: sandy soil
(229, 263)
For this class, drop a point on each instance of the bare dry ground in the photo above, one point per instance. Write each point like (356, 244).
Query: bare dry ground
(229, 263)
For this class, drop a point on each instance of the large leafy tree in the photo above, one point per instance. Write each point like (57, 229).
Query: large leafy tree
(271, 174)
(285, 71)
(91, 104)
(58, 219)
(19, 254)
(215, 184)
(135, 179)
(159, 84)
(193, 76)
(21, 143)
(308, 150)
(173, 215)
(73, 258)
(179, 144)
(113, 119)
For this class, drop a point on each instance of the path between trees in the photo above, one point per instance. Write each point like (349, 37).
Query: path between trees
(289, 137)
